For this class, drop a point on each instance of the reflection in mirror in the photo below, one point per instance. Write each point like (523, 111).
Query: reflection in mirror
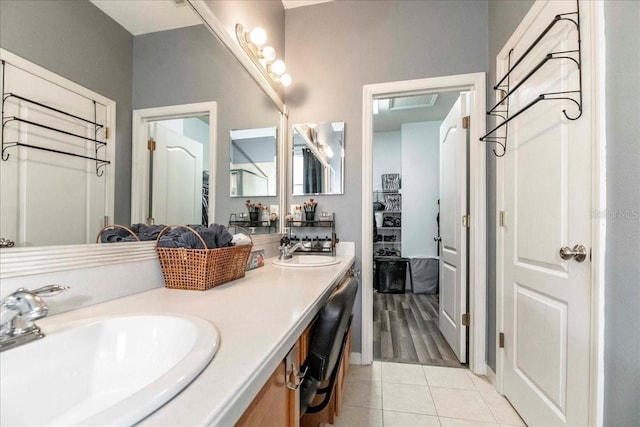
(179, 190)
(253, 165)
(56, 170)
(133, 56)
(318, 158)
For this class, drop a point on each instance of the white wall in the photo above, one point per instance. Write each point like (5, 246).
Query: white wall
(420, 188)
(386, 156)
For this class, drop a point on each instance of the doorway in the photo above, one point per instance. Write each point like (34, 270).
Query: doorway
(475, 84)
(420, 151)
(181, 137)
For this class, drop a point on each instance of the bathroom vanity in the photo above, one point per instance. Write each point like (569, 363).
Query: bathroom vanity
(263, 320)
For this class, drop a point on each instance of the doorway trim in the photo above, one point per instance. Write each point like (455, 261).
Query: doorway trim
(476, 83)
(139, 150)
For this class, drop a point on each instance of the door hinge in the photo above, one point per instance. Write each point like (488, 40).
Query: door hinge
(466, 319)
(501, 219)
(503, 96)
(106, 133)
(466, 122)
(106, 220)
(151, 145)
(501, 340)
(466, 221)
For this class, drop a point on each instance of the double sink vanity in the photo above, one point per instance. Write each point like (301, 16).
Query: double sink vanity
(120, 349)
(174, 357)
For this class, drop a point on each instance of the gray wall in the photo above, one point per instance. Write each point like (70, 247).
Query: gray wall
(188, 65)
(622, 265)
(335, 48)
(78, 41)
(268, 14)
(504, 18)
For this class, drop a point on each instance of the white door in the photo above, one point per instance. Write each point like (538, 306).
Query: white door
(546, 193)
(49, 198)
(453, 232)
(177, 177)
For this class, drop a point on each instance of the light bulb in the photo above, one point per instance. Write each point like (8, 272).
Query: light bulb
(258, 36)
(328, 151)
(285, 80)
(268, 54)
(278, 67)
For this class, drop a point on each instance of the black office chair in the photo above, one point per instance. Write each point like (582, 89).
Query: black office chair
(328, 339)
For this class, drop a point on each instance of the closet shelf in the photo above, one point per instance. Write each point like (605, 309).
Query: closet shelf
(503, 85)
(97, 144)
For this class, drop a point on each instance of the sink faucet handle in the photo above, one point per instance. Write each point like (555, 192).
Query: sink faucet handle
(49, 290)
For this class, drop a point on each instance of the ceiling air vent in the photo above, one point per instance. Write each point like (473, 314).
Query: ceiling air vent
(408, 102)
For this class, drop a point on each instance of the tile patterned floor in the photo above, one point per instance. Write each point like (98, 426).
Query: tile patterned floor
(387, 394)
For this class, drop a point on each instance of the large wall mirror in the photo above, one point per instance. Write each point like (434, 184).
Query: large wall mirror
(318, 158)
(144, 55)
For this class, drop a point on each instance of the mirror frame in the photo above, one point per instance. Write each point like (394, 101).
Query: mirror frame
(16, 262)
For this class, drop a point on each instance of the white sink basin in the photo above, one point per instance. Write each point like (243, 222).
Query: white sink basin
(307, 261)
(103, 371)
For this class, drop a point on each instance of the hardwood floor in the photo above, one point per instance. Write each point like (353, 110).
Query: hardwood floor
(405, 330)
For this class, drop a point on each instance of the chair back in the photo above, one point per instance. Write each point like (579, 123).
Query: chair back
(328, 332)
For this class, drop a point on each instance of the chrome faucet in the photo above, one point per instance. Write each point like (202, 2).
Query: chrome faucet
(286, 249)
(18, 312)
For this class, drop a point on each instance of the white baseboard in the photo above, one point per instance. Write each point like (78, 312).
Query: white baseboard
(355, 358)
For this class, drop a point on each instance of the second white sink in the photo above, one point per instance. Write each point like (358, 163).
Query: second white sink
(307, 261)
(105, 371)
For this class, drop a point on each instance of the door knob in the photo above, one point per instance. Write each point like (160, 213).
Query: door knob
(579, 253)
(6, 243)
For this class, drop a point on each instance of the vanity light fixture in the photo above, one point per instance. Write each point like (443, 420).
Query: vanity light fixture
(278, 68)
(327, 151)
(257, 36)
(264, 57)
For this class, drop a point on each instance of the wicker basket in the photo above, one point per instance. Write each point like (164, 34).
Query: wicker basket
(201, 269)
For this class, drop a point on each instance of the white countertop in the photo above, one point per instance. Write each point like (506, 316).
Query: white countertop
(259, 317)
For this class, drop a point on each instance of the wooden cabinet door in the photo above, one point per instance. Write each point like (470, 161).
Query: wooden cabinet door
(275, 405)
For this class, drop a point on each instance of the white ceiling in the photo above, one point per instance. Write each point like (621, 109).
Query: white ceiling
(290, 4)
(148, 16)
(392, 120)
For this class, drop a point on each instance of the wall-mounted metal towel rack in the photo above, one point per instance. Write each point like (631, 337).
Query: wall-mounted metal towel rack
(100, 163)
(503, 85)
